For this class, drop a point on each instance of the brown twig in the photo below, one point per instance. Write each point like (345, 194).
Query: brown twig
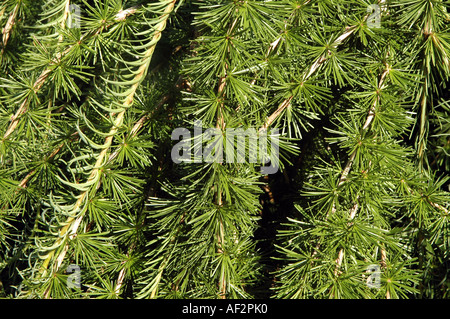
(8, 28)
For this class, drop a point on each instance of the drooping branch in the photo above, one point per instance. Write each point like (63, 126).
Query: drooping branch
(311, 70)
(348, 166)
(218, 196)
(349, 30)
(72, 223)
(23, 108)
(421, 149)
(8, 28)
(136, 127)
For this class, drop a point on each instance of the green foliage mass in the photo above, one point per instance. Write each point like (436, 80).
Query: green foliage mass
(88, 107)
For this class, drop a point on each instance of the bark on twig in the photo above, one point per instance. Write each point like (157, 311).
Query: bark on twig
(8, 28)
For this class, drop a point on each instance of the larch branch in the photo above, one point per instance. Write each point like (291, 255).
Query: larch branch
(72, 223)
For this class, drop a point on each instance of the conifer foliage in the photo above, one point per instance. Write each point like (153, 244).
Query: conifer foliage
(93, 205)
